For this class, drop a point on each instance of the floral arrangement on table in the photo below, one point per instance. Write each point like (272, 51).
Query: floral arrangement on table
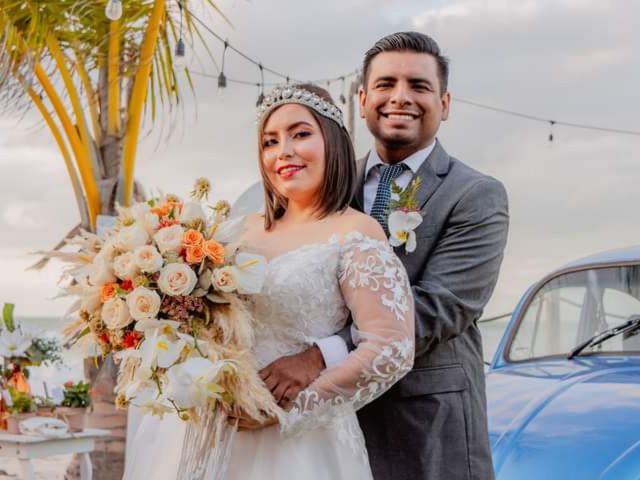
(76, 395)
(20, 402)
(165, 292)
(20, 350)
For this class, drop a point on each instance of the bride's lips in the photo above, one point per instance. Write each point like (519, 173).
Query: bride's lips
(289, 170)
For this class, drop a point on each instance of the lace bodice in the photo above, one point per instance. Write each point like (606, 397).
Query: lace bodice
(301, 301)
(308, 294)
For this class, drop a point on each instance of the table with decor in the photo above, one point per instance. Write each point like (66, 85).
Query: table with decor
(27, 447)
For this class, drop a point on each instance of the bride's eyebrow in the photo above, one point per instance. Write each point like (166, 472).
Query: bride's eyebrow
(298, 124)
(289, 128)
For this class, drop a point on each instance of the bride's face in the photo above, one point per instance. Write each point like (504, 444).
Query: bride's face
(293, 153)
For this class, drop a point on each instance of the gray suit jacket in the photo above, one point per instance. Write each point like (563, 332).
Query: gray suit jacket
(433, 423)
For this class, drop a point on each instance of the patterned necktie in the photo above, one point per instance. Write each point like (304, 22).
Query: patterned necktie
(383, 194)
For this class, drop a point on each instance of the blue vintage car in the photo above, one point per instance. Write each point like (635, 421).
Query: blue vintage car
(564, 384)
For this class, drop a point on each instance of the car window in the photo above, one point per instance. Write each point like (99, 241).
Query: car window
(571, 308)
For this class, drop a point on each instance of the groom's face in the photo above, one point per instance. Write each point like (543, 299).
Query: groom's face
(402, 102)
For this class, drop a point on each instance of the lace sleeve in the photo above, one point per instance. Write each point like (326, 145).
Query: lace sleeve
(376, 290)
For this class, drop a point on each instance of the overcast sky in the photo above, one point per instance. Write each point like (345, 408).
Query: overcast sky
(573, 60)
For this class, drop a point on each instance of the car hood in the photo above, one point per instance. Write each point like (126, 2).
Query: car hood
(566, 419)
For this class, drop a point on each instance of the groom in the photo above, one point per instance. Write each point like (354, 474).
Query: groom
(433, 423)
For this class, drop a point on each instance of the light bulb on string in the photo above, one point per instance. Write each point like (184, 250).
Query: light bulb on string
(222, 79)
(551, 124)
(261, 86)
(343, 99)
(113, 10)
(179, 53)
(179, 58)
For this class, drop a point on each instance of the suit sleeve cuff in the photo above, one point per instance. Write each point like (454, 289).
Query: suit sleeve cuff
(333, 349)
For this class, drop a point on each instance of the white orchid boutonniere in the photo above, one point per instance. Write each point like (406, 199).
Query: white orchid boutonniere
(404, 216)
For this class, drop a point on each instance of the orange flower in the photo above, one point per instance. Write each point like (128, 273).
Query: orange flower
(108, 291)
(195, 254)
(168, 223)
(161, 211)
(192, 238)
(215, 251)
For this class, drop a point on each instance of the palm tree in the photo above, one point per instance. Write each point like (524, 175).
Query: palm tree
(93, 78)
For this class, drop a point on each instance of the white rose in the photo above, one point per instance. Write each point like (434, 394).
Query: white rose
(225, 279)
(125, 266)
(169, 239)
(101, 272)
(177, 279)
(115, 314)
(192, 211)
(143, 303)
(148, 259)
(131, 237)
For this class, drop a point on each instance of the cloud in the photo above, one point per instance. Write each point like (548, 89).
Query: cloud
(16, 216)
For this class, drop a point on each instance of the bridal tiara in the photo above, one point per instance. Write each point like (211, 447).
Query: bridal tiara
(282, 95)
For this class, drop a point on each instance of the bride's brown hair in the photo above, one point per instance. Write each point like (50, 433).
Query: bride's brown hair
(339, 182)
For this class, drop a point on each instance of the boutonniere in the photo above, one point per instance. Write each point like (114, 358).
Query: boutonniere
(404, 215)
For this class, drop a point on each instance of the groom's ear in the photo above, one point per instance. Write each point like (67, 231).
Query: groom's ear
(446, 102)
(362, 97)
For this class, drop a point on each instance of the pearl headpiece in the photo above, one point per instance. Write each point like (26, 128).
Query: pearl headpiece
(282, 95)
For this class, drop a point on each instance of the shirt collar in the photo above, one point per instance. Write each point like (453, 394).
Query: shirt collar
(413, 161)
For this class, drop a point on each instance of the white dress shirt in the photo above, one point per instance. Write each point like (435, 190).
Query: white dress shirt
(333, 349)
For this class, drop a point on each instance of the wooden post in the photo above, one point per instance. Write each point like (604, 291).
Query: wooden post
(351, 106)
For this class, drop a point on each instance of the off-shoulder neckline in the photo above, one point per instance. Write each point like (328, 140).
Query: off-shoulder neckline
(333, 240)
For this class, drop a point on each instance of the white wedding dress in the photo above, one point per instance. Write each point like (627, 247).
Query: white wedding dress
(308, 294)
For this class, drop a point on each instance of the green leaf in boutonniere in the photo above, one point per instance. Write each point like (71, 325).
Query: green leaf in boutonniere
(404, 215)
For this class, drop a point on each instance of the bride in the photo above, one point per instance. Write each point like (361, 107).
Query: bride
(326, 262)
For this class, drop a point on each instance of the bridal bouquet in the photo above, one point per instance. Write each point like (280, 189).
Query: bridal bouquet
(165, 292)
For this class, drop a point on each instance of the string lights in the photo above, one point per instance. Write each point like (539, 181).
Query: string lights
(180, 47)
(261, 96)
(222, 79)
(113, 10)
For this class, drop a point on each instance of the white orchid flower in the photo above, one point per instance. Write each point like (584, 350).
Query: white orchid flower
(141, 382)
(229, 230)
(251, 270)
(14, 344)
(150, 325)
(149, 402)
(401, 228)
(159, 350)
(194, 382)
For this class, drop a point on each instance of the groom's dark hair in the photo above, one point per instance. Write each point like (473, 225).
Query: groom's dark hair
(411, 42)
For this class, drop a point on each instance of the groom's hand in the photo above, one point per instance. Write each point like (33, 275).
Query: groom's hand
(288, 376)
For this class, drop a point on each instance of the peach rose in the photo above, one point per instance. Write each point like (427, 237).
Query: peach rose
(108, 291)
(143, 303)
(225, 279)
(195, 254)
(177, 279)
(215, 251)
(192, 238)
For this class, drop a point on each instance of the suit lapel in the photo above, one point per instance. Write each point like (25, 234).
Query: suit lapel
(431, 173)
(358, 198)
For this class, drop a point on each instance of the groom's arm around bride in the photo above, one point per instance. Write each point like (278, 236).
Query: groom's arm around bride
(432, 424)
